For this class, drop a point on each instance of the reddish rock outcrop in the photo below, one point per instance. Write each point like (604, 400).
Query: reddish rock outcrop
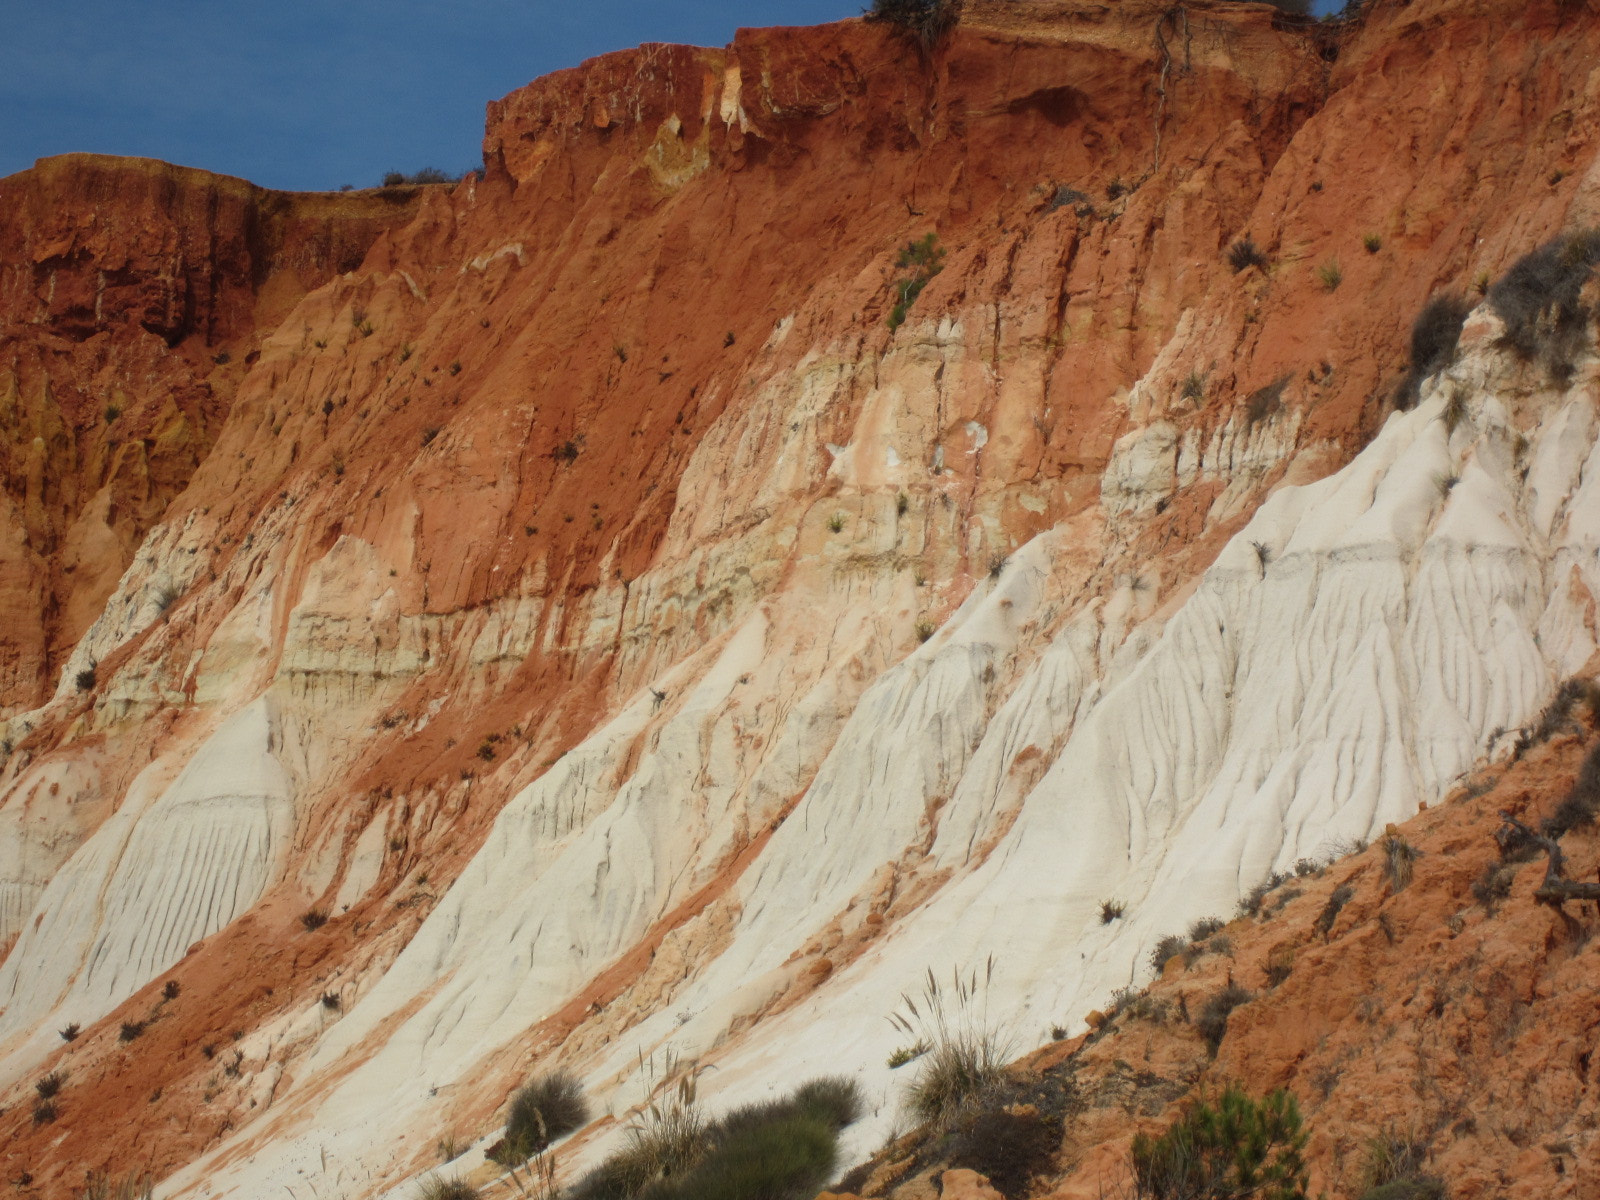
(133, 298)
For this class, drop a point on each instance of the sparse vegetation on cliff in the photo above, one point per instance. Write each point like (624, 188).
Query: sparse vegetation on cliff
(1243, 254)
(100, 1186)
(1434, 335)
(1237, 1149)
(780, 1149)
(1212, 1021)
(924, 20)
(544, 1110)
(436, 1187)
(920, 261)
(966, 1053)
(426, 175)
(1541, 301)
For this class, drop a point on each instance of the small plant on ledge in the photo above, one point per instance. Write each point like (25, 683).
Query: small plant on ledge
(925, 20)
(922, 260)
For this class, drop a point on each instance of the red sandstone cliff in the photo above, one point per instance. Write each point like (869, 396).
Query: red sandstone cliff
(486, 463)
(133, 297)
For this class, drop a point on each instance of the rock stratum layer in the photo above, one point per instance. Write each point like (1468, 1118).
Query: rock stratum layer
(577, 628)
(131, 293)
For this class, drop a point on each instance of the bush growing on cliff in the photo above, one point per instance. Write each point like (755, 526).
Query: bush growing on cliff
(1540, 299)
(967, 1056)
(1434, 335)
(921, 260)
(1241, 1149)
(1337, 899)
(1245, 253)
(1212, 1023)
(1560, 715)
(1580, 806)
(100, 1186)
(924, 20)
(436, 1187)
(50, 1085)
(544, 1110)
(1265, 402)
(426, 175)
(1399, 859)
(1168, 948)
(778, 1150)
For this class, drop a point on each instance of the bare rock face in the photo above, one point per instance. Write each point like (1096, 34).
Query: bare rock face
(133, 296)
(812, 512)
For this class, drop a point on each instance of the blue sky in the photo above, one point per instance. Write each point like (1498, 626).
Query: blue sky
(313, 93)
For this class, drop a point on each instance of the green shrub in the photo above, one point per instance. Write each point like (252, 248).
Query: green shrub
(426, 175)
(1579, 807)
(1339, 897)
(1330, 275)
(967, 1055)
(777, 1150)
(1540, 301)
(832, 1098)
(436, 1187)
(667, 1140)
(901, 1055)
(1244, 253)
(1241, 1149)
(921, 260)
(1168, 948)
(785, 1159)
(544, 1110)
(1212, 1023)
(924, 20)
(1111, 910)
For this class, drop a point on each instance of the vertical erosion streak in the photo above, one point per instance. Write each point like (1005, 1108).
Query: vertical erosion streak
(189, 869)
